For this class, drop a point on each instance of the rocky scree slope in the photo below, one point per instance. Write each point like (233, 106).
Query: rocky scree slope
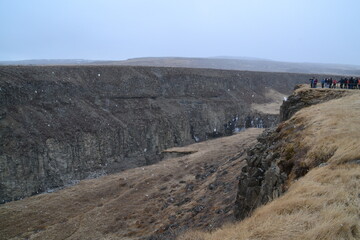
(60, 124)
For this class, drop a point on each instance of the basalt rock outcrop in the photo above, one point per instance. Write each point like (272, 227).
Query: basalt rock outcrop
(277, 157)
(61, 124)
(300, 99)
(261, 180)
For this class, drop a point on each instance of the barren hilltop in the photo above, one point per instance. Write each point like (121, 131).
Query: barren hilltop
(297, 179)
(224, 62)
(240, 63)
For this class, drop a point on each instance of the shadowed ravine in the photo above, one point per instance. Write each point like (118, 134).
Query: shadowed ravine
(61, 124)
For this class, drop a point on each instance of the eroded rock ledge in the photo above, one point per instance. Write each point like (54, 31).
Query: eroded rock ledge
(305, 97)
(276, 159)
(261, 179)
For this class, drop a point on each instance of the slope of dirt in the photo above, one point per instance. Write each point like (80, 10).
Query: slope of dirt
(195, 190)
(317, 152)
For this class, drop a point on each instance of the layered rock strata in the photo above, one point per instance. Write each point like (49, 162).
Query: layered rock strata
(61, 124)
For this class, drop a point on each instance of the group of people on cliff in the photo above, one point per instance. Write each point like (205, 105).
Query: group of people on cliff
(346, 83)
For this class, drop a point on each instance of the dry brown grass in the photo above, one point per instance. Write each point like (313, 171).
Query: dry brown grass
(325, 203)
(330, 131)
(138, 202)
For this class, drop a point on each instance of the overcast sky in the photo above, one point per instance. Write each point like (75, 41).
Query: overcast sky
(325, 31)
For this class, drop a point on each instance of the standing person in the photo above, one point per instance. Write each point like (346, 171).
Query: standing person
(356, 83)
(359, 83)
(334, 83)
(330, 82)
(315, 82)
(311, 80)
(322, 83)
(351, 82)
(341, 82)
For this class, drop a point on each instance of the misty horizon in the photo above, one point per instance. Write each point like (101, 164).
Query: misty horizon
(296, 32)
(241, 58)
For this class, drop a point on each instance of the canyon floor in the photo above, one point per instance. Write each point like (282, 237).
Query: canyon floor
(197, 189)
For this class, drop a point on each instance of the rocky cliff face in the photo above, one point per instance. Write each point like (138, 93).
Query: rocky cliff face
(60, 124)
(304, 98)
(261, 180)
(277, 157)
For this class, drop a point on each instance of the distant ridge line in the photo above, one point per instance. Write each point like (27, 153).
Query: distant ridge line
(218, 62)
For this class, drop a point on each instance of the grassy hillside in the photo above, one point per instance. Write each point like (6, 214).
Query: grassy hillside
(325, 202)
(322, 205)
(195, 189)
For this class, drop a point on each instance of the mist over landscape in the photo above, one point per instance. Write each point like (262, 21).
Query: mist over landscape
(179, 120)
(226, 63)
(296, 31)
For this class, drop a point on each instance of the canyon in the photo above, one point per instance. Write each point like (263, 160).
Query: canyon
(62, 124)
(107, 159)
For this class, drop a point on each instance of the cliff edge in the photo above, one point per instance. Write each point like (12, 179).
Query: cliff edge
(305, 171)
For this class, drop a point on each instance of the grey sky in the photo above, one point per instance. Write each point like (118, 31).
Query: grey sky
(287, 30)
